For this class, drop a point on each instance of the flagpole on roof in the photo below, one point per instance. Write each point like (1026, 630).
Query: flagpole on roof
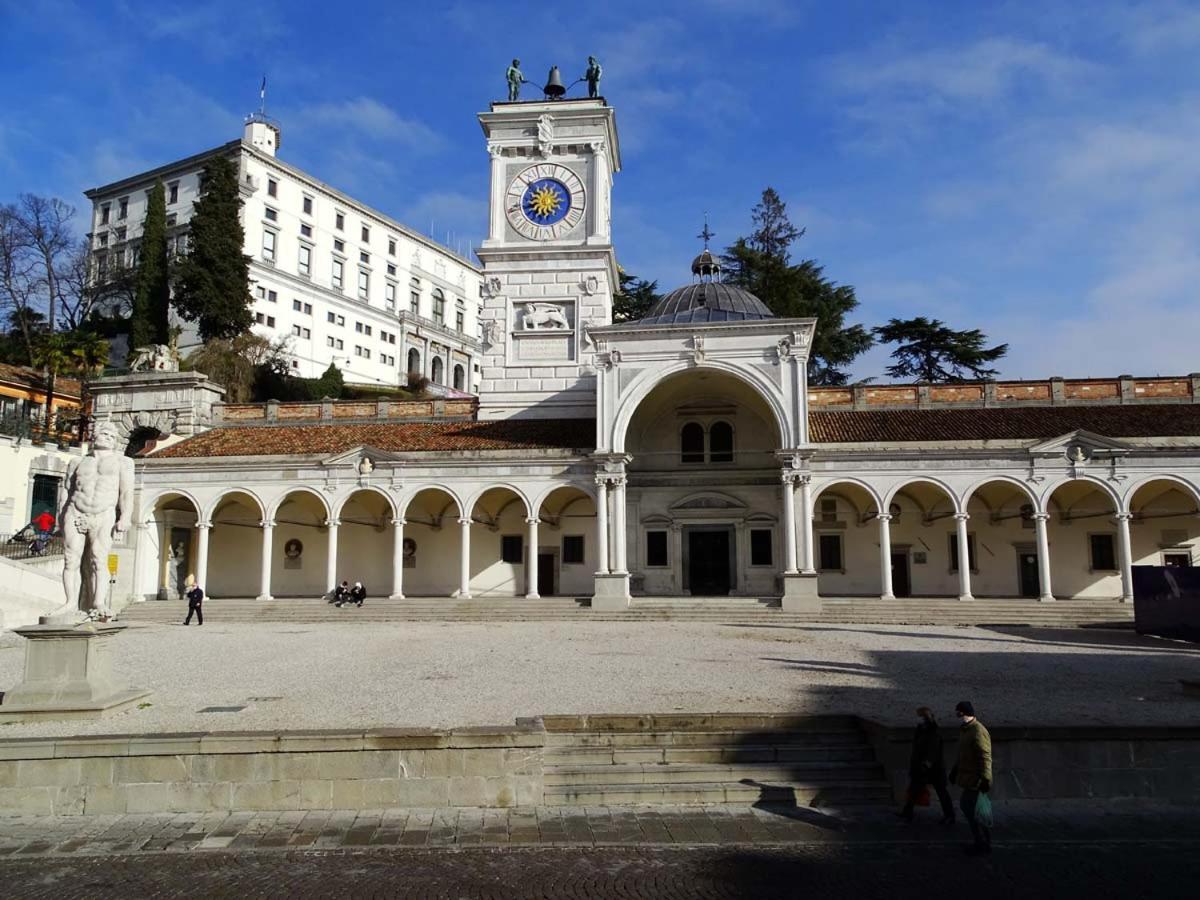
(262, 97)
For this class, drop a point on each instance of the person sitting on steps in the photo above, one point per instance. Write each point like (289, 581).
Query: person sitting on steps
(358, 594)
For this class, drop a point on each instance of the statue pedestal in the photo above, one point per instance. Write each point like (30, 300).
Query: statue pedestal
(800, 594)
(612, 591)
(68, 675)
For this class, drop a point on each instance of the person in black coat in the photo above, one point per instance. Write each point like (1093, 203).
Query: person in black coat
(926, 767)
(358, 593)
(195, 599)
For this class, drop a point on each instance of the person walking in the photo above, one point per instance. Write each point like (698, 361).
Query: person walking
(926, 768)
(973, 773)
(195, 599)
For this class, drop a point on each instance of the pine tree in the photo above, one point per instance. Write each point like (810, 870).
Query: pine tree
(929, 351)
(214, 276)
(634, 297)
(150, 323)
(761, 264)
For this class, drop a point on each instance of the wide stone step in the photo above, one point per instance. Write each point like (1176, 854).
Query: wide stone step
(706, 740)
(690, 773)
(665, 755)
(801, 793)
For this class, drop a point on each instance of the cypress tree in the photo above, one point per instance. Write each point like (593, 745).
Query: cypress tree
(214, 277)
(150, 323)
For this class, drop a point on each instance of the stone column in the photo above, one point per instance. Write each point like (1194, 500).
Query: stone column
(496, 229)
(619, 535)
(331, 558)
(885, 557)
(789, 523)
(531, 560)
(398, 558)
(1126, 556)
(1043, 554)
(464, 560)
(202, 529)
(964, 557)
(264, 578)
(806, 529)
(602, 525)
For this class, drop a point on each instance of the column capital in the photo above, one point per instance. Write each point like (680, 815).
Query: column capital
(789, 476)
(332, 523)
(465, 521)
(1123, 516)
(267, 523)
(884, 517)
(204, 524)
(1040, 517)
(532, 520)
(399, 521)
(962, 517)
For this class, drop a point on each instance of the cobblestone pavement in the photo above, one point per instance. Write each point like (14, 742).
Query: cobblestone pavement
(1062, 851)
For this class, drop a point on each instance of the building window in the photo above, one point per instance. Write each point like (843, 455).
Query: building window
(760, 547)
(459, 378)
(830, 550)
(512, 548)
(414, 295)
(364, 257)
(572, 550)
(296, 305)
(971, 558)
(439, 306)
(339, 245)
(341, 320)
(260, 318)
(305, 264)
(120, 232)
(104, 210)
(414, 361)
(1177, 559)
(102, 239)
(305, 230)
(358, 327)
(270, 214)
(301, 332)
(459, 319)
(173, 192)
(270, 321)
(339, 221)
(656, 549)
(329, 341)
(308, 206)
(1102, 549)
(308, 309)
(123, 208)
(366, 235)
(340, 344)
(720, 442)
(829, 510)
(691, 443)
(330, 317)
(272, 187)
(269, 246)
(389, 294)
(391, 246)
(391, 269)
(337, 274)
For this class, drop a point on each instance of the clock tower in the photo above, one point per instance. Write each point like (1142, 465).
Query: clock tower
(549, 271)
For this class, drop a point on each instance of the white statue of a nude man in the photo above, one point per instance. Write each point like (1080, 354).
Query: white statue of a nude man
(98, 508)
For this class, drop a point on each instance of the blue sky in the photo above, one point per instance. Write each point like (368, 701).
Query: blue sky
(1027, 168)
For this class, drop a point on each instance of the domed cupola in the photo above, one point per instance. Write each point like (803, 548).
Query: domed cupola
(707, 298)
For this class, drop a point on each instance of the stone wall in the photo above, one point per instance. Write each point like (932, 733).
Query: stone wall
(1056, 763)
(220, 772)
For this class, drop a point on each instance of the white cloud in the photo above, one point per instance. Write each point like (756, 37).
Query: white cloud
(367, 117)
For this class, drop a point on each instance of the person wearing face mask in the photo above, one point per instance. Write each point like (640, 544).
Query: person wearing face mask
(973, 773)
(926, 768)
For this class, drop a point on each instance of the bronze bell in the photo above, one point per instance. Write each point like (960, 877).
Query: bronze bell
(554, 88)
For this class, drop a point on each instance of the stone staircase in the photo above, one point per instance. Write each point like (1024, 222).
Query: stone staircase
(720, 610)
(710, 759)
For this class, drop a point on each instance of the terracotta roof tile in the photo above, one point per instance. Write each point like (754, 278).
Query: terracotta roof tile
(1013, 423)
(32, 379)
(284, 440)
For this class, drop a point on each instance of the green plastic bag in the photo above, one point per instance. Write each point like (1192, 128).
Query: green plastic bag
(983, 810)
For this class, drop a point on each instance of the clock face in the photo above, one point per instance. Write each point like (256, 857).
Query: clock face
(545, 202)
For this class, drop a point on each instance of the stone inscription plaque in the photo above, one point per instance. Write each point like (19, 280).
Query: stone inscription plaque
(560, 347)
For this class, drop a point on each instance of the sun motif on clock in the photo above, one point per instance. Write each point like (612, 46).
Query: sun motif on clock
(545, 202)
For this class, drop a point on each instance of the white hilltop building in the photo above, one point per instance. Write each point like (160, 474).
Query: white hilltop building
(342, 282)
(680, 455)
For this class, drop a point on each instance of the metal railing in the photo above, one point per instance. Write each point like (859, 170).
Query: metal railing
(27, 544)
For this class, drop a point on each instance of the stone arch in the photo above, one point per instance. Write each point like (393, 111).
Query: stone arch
(645, 383)
(414, 361)
(146, 513)
(500, 486)
(450, 494)
(371, 489)
(588, 489)
(273, 510)
(1102, 486)
(459, 383)
(950, 493)
(1187, 487)
(437, 371)
(820, 487)
(1006, 479)
(216, 503)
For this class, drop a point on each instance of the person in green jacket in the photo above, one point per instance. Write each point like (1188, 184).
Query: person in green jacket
(973, 772)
